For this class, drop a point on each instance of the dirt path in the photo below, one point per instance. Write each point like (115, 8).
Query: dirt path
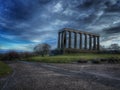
(41, 76)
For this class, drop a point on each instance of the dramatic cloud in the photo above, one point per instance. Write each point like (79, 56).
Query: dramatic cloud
(26, 23)
(112, 30)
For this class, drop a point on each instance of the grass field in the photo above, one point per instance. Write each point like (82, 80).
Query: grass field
(72, 57)
(4, 69)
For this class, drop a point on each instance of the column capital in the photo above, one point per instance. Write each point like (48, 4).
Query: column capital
(90, 35)
(94, 35)
(80, 33)
(97, 36)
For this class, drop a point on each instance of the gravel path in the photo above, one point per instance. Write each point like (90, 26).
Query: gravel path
(42, 76)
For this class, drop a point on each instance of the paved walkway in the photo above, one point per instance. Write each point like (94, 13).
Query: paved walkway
(41, 76)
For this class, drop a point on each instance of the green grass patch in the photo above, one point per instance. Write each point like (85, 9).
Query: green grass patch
(4, 69)
(68, 58)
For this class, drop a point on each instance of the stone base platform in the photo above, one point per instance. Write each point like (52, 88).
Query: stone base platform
(68, 50)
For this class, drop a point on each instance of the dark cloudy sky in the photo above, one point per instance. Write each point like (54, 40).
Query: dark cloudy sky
(25, 23)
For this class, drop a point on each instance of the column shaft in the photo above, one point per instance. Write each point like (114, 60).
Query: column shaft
(75, 40)
(80, 40)
(94, 43)
(59, 40)
(62, 40)
(69, 40)
(65, 43)
(90, 42)
(85, 41)
(98, 43)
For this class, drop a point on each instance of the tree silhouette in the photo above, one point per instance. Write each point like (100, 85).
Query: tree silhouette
(114, 47)
(42, 49)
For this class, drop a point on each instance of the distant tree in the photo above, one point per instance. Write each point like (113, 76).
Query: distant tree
(42, 49)
(114, 47)
(26, 54)
(102, 47)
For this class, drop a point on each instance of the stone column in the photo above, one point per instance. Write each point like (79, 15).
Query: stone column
(62, 39)
(90, 42)
(65, 34)
(94, 42)
(59, 40)
(80, 40)
(85, 41)
(98, 42)
(75, 40)
(69, 45)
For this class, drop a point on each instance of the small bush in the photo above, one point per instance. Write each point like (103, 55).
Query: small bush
(10, 56)
(103, 60)
(96, 61)
(82, 61)
(113, 60)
